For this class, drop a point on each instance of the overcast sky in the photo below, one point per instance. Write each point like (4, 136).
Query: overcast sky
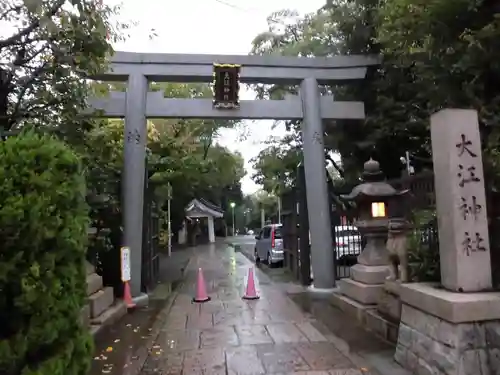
(213, 27)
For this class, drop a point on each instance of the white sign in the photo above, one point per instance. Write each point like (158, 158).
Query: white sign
(125, 263)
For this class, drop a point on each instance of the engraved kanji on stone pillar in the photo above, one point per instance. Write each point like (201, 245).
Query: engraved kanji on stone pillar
(461, 201)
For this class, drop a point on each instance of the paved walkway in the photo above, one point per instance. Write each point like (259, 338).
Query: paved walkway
(229, 335)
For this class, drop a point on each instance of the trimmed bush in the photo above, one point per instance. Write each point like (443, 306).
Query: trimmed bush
(43, 234)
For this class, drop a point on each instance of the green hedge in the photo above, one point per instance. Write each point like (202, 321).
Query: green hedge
(43, 234)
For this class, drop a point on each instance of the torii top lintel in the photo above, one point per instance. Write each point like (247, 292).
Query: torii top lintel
(162, 67)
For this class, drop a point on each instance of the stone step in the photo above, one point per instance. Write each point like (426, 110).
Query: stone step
(381, 326)
(89, 268)
(100, 301)
(94, 283)
(371, 275)
(363, 293)
(108, 317)
(350, 307)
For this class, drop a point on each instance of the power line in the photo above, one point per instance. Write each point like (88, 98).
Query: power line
(230, 5)
(234, 6)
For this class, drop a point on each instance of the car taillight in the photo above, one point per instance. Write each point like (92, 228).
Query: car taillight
(272, 239)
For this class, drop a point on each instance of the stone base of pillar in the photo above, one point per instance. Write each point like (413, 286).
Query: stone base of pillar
(366, 284)
(141, 300)
(390, 303)
(367, 316)
(349, 306)
(362, 293)
(447, 333)
(359, 297)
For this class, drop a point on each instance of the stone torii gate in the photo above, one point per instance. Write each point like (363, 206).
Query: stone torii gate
(137, 104)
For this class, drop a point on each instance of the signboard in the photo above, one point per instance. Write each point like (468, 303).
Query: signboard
(226, 86)
(125, 263)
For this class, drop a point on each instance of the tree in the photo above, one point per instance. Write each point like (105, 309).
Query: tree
(435, 54)
(253, 204)
(276, 165)
(49, 45)
(188, 158)
(182, 154)
(343, 27)
(311, 35)
(450, 51)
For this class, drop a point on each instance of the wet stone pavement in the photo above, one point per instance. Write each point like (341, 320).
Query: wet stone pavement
(229, 335)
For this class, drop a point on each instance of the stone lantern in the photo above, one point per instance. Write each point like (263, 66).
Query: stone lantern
(372, 198)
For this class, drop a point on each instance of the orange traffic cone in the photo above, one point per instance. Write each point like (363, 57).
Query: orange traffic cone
(251, 292)
(127, 297)
(201, 289)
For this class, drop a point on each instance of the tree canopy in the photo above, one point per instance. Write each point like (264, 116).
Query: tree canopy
(435, 54)
(275, 166)
(182, 154)
(47, 50)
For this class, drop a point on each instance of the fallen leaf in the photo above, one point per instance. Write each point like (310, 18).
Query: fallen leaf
(97, 358)
(117, 340)
(364, 369)
(156, 346)
(109, 349)
(105, 371)
(129, 325)
(158, 353)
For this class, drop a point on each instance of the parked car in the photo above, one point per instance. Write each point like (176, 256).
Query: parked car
(269, 244)
(348, 243)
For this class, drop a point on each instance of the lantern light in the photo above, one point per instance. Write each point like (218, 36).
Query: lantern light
(378, 209)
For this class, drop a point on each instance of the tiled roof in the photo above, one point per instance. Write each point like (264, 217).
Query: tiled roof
(211, 205)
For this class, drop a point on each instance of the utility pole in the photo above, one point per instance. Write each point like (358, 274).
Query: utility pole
(262, 218)
(279, 209)
(232, 206)
(169, 221)
(406, 160)
(408, 166)
(276, 192)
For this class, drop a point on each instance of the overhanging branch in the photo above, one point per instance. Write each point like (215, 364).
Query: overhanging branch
(335, 165)
(31, 27)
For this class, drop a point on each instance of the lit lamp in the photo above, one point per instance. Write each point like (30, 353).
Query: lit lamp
(372, 197)
(232, 204)
(378, 209)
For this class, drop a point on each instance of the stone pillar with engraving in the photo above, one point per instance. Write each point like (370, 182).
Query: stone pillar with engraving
(453, 328)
